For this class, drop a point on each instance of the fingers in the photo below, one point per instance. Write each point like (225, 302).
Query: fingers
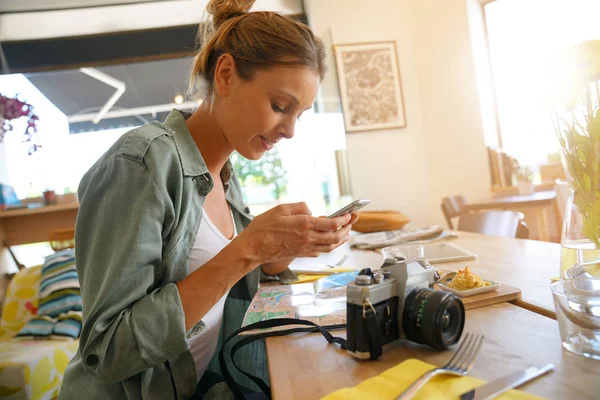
(326, 248)
(330, 224)
(294, 209)
(353, 219)
(327, 238)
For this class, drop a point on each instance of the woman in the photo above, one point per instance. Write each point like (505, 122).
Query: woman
(167, 254)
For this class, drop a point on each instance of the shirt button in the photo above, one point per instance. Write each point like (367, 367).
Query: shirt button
(91, 360)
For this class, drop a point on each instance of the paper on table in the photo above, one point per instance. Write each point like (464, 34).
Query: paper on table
(377, 240)
(352, 258)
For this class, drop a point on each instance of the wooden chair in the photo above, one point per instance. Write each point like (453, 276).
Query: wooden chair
(495, 223)
(14, 257)
(62, 239)
(452, 207)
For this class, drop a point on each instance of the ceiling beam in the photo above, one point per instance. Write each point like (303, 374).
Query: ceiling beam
(109, 80)
(46, 5)
(129, 112)
(100, 20)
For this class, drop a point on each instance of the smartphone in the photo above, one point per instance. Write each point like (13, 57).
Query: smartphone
(350, 208)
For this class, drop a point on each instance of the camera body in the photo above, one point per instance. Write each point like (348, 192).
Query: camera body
(398, 303)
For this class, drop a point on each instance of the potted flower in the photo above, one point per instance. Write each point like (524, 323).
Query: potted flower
(12, 109)
(524, 177)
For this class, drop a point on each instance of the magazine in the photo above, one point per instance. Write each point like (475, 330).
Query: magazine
(322, 302)
(378, 240)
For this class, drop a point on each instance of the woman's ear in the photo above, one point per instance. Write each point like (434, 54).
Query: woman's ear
(224, 73)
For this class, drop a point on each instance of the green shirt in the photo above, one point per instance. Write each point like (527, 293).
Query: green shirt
(140, 210)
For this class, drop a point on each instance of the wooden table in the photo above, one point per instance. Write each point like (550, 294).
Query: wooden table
(517, 335)
(542, 202)
(515, 338)
(33, 225)
(526, 264)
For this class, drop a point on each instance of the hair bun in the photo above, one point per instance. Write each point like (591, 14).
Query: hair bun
(222, 10)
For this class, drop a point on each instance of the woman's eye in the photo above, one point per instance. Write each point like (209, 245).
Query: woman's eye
(276, 108)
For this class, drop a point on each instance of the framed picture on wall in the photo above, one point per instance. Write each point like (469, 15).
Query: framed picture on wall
(370, 88)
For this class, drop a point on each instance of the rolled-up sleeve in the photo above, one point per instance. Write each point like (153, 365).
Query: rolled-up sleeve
(131, 322)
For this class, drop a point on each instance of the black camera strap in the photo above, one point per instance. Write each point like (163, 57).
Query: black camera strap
(375, 346)
(273, 323)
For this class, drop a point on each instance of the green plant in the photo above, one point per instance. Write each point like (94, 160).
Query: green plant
(524, 173)
(554, 158)
(267, 171)
(577, 124)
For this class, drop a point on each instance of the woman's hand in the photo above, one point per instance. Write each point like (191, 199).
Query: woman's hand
(289, 231)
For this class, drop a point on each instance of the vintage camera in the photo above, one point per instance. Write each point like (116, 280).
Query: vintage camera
(398, 303)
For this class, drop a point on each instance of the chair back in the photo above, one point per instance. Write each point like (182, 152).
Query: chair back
(494, 223)
(452, 207)
(62, 239)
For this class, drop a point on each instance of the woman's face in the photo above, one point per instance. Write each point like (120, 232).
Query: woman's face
(254, 115)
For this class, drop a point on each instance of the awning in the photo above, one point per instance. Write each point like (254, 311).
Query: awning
(151, 90)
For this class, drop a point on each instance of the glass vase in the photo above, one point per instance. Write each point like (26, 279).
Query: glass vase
(577, 247)
(580, 238)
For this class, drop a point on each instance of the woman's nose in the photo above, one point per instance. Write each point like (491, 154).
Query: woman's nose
(288, 131)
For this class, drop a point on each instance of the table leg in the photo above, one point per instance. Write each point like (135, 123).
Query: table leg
(559, 222)
(6, 265)
(542, 218)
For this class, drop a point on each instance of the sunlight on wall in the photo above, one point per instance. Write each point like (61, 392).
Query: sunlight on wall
(524, 35)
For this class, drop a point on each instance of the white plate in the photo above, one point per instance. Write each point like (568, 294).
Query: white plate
(471, 292)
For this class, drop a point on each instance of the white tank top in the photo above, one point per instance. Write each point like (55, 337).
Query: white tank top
(208, 243)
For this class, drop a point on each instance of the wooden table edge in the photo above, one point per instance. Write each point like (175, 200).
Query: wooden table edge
(38, 210)
(534, 308)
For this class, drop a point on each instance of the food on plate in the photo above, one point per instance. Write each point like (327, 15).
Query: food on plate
(465, 280)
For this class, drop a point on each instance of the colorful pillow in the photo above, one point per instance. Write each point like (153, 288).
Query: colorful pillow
(20, 302)
(59, 312)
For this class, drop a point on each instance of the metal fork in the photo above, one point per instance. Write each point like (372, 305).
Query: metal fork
(460, 364)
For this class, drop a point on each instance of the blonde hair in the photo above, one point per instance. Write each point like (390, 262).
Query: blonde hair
(256, 41)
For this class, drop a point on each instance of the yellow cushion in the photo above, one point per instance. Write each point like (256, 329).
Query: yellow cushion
(20, 302)
(33, 369)
(394, 381)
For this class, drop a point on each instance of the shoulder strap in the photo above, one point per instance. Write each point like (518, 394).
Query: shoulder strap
(308, 327)
(373, 335)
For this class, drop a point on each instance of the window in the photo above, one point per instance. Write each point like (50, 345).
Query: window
(309, 166)
(523, 36)
(63, 159)
(71, 144)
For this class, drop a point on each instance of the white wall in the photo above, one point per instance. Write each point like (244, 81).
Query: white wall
(441, 150)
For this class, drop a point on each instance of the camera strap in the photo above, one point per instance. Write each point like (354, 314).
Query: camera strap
(373, 335)
(273, 323)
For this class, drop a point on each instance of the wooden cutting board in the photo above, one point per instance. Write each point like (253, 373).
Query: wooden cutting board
(502, 294)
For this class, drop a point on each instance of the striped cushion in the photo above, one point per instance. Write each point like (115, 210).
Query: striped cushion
(59, 312)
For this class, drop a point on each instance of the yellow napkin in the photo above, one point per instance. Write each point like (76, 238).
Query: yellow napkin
(389, 384)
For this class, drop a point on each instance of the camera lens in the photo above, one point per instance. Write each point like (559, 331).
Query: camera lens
(433, 317)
